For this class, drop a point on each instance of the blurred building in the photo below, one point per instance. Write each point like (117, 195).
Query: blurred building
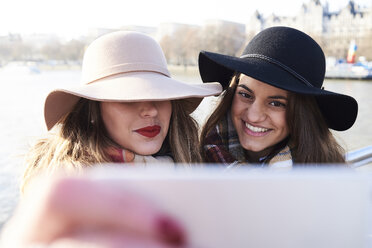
(332, 30)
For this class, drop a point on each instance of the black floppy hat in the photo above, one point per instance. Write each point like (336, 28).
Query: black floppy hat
(285, 58)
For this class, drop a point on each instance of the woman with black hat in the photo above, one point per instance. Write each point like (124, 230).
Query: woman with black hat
(274, 109)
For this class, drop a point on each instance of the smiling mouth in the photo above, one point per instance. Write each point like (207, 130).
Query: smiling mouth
(149, 131)
(255, 131)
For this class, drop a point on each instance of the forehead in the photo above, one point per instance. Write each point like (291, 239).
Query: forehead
(259, 86)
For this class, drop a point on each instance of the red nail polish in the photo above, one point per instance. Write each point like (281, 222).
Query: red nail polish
(170, 231)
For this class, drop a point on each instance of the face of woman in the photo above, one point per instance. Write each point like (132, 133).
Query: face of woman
(258, 113)
(140, 127)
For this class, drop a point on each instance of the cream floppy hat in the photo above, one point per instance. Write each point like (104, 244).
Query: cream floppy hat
(125, 67)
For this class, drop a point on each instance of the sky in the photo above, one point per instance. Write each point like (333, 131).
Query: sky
(71, 17)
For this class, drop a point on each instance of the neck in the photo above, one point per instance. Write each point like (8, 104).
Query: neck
(254, 157)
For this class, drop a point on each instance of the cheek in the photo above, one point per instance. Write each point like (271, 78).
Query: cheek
(109, 124)
(106, 116)
(165, 113)
(237, 112)
(238, 109)
(281, 121)
(113, 119)
(235, 107)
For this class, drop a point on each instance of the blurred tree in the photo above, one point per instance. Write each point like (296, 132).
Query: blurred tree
(5, 52)
(22, 51)
(15, 50)
(51, 51)
(186, 43)
(223, 39)
(73, 50)
(166, 44)
(182, 46)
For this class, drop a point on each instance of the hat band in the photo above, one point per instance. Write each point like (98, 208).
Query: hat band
(88, 77)
(281, 65)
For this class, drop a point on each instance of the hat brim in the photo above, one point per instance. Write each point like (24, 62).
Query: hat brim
(340, 111)
(127, 87)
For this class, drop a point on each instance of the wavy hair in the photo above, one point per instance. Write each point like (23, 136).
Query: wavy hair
(311, 140)
(80, 138)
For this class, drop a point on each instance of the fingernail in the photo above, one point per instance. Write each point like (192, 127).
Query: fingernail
(170, 231)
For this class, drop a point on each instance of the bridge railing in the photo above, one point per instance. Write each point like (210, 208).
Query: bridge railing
(360, 157)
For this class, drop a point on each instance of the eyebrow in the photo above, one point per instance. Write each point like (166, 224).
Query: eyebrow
(245, 87)
(271, 97)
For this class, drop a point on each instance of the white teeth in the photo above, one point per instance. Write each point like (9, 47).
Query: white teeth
(256, 129)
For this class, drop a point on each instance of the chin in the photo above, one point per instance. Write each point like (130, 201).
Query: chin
(260, 149)
(148, 151)
(254, 149)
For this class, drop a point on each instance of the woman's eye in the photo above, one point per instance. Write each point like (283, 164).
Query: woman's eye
(244, 94)
(277, 104)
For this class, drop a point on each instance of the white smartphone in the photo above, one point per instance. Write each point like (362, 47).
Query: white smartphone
(307, 208)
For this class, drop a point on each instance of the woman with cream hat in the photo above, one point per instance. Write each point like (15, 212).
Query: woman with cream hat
(127, 109)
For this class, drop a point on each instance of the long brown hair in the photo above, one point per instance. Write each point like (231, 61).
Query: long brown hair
(183, 134)
(310, 139)
(80, 138)
(219, 113)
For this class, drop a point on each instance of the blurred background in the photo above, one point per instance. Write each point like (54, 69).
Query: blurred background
(42, 44)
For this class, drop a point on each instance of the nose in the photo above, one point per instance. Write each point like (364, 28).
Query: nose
(148, 109)
(256, 112)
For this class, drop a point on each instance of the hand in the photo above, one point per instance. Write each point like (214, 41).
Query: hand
(78, 212)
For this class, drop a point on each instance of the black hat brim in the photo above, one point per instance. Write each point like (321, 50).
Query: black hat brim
(340, 111)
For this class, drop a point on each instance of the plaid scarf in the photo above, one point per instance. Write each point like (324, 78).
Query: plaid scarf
(120, 155)
(222, 146)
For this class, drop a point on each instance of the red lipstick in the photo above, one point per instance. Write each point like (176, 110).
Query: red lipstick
(149, 131)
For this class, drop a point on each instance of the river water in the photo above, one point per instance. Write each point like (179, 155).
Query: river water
(21, 109)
